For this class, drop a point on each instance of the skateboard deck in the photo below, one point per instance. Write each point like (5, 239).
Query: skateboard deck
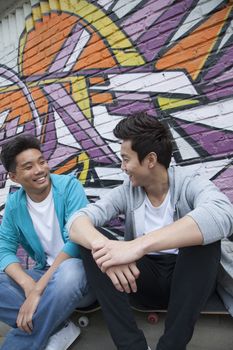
(213, 306)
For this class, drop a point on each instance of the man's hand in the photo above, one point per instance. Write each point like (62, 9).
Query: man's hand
(113, 253)
(124, 277)
(27, 310)
(33, 292)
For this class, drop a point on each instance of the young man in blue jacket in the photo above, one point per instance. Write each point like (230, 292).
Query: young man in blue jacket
(165, 208)
(37, 302)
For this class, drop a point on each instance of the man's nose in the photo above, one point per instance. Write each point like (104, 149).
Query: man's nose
(38, 168)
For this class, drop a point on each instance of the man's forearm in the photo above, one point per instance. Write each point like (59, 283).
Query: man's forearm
(16, 272)
(182, 233)
(43, 281)
(84, 233)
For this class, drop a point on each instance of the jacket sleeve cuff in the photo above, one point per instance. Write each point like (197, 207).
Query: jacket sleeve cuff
(206, 222)
(72, 218)
(8, 260)
(71, 249)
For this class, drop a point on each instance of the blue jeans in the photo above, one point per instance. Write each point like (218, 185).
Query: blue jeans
(67, 289)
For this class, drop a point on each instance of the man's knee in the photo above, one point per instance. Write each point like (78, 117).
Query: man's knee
(70, 275)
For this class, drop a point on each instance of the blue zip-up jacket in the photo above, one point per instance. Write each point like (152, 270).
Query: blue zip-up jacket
(17, 227)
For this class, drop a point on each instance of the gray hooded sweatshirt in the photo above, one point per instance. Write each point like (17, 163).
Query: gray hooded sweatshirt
(191, 195)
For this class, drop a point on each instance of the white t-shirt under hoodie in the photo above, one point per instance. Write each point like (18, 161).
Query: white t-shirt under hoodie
(158, 217)
(46, 225)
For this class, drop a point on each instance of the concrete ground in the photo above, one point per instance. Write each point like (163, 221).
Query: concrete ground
(212, 332)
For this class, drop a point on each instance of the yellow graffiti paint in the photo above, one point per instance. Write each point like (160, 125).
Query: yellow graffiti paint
(83, 158)
(80, 95)
(122, 48)
(29, 24)
(10, 88)
(127, 59)
(170, 103)
(125, 53)
(45, 9)
(36, 13)
(64, 5)
(54, 5)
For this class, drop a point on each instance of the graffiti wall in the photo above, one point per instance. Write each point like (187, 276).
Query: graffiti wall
(70, 70)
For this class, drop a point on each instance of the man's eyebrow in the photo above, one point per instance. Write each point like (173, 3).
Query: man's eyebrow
(26, 163)
(124, 154)
(29, 162)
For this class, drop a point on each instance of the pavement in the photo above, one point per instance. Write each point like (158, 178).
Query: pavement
(212, 332)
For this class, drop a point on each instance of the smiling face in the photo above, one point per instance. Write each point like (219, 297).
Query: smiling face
(139, 173)
(32, 173)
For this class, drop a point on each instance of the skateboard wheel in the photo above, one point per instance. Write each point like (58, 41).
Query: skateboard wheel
(153, 318)
(83, 321)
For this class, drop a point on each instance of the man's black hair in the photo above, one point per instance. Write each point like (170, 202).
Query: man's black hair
(147, 134)
(11, 149)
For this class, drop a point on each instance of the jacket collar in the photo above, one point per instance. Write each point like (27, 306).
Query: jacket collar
(138, 193)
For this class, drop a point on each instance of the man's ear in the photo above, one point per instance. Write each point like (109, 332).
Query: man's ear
(13, 176)
(152, 159)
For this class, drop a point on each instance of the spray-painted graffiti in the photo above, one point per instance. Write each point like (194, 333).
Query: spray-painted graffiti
(84, 65)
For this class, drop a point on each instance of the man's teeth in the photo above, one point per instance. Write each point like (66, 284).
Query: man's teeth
(41, 179)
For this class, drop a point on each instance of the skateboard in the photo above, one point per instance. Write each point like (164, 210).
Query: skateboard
(214, 306)
(83, 320)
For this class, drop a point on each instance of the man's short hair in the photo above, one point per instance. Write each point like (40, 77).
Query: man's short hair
(147, 134)
(11, 149)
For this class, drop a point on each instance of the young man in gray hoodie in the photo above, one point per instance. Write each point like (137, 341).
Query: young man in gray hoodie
(174, 222)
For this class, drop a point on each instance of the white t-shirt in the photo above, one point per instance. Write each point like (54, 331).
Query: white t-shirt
(46, 225)
(158, 217)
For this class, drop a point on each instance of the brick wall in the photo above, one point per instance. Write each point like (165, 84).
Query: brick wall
(70, 70)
